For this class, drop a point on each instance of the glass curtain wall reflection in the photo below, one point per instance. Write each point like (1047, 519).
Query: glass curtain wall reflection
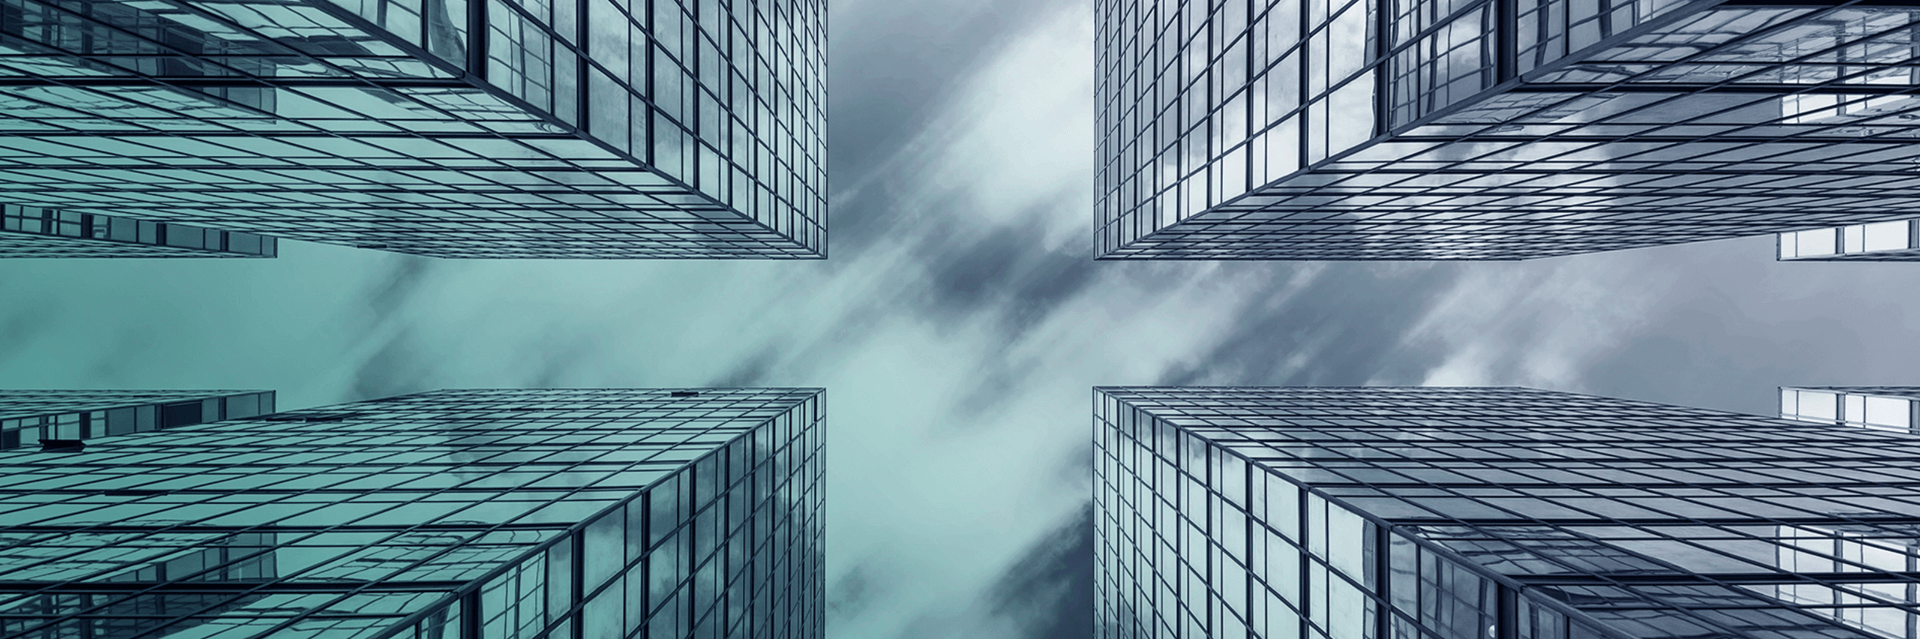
(1495, 129)
(1495, 513)
(1879, 407)
(28, 417)
(570, 514)
(452, 128)
(1859, 551)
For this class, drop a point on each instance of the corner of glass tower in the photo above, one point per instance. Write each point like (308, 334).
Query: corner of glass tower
(1505, 513)
(1494, 129)
(456, 514)
(451, 128)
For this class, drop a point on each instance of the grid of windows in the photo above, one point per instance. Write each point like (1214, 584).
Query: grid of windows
(453, 128)
(570, 514)
(29, 416)
(34, 232)
(1495, 129)
(1197, 98)
(1497, 513)
(1883, 407)
(1881, 241)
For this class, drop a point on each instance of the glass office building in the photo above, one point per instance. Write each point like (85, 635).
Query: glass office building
(451, 128)
(1891, 408)
(1496, 129)
(27, 417)
(561, 514)
(1493, 513)
(1894, 241)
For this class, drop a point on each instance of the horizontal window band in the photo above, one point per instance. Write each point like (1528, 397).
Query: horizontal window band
(178, 587)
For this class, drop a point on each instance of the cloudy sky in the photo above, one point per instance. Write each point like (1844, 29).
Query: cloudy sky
(961, 322)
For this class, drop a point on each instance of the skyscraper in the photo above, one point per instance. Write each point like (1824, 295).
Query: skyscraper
(1882, 407)
(451, 128)
(1482, 129)
(451, 515)
(1497, 513)
(28, 417)
(1895, 241)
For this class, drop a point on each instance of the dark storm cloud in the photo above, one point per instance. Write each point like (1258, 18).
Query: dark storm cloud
(400, 283)
(1007, 272)
(896, 66)
(398, 367)
(1049, 591)
(903, 73)
(1348, 322)
(752, 370)
(1077, 469)
(851, 594)
(1006, 278)
(968, 271)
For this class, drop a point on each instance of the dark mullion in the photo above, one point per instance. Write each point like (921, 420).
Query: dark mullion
(470, 618)
(477, 40)
(1506, 27)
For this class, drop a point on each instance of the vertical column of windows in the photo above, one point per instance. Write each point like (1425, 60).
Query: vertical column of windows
(1442, 53)
(1107, 601)
(1204, 101)
(710, 93)
(1546, 31)
(1119, 559)
(514, 604)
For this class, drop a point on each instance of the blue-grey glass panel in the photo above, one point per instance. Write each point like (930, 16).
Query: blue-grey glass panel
(1503, 512)
(1476, 129)
(454, 128)
(454, 514)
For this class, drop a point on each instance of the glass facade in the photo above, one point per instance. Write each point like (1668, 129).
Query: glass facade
(33, 232)
(1880, 407)
(29, 416)
(1898, 240)
(1495, 129)
(451, 128)
(563, 514)
(1493, 513)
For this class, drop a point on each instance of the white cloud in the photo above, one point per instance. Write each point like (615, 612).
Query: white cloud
(1535, 323)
